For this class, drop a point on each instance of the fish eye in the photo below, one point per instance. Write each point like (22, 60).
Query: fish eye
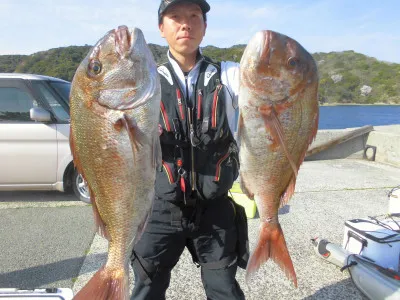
(95, 67)
(292, 62)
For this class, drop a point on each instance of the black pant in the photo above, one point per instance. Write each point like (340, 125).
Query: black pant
(212, 246)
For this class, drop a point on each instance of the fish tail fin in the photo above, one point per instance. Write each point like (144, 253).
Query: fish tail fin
(107, 283)
(271, 244)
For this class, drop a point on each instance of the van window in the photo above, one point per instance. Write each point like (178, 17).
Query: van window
(15, 105)
(52, 99)
(62, 88)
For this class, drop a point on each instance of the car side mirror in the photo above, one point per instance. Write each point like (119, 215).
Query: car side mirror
(39, 114)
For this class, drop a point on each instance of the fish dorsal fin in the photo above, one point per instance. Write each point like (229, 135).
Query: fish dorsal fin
(274, 126)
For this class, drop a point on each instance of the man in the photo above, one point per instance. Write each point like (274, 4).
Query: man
(200, 163)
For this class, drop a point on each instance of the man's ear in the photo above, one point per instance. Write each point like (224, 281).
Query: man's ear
(205, 28)
(161, 28)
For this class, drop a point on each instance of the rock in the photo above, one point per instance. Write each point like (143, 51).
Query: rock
(365, 90)
(337, 78)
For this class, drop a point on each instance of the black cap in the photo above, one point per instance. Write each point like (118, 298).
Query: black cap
(205, 7)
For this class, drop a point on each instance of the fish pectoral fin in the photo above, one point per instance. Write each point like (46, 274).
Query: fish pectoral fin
(274, 126)
(136, 137)
(100, 225)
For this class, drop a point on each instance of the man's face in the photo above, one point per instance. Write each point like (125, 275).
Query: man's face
(183, 27)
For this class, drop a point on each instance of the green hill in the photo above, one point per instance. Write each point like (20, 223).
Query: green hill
(345, 77)
(350, 77)
(8, 63)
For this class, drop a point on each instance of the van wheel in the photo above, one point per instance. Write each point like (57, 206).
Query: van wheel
(80, 187)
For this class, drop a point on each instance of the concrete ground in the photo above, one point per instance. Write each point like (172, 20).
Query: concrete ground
(44, 238)
(327, 194)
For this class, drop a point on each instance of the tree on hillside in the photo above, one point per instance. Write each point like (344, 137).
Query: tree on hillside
(342, 74)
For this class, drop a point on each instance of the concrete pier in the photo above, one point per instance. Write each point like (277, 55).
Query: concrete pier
(382, 144)
(329, 191)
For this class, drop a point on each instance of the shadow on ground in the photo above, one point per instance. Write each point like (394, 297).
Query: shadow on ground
(284, 210)
(45, 275)
(342, 290)
(36, 196)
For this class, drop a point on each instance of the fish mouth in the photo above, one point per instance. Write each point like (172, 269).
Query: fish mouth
(140, 79)
(259, 74)
(127, 39)
(262, 42)
(123, 40)
(266, 37)
(266, 70)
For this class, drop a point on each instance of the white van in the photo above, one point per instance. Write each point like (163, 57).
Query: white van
(34, 135)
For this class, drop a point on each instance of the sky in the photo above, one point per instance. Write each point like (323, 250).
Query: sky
(369, 27)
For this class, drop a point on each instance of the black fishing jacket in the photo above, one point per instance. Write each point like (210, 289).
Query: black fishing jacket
(199, 153)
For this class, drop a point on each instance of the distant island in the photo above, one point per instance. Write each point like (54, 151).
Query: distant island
(345, 77)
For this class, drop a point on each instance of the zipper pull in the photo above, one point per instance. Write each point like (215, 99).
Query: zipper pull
(180, 105)
(182, 183)
(194, 140)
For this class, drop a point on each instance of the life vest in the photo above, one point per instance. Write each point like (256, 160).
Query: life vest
(199, 153)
